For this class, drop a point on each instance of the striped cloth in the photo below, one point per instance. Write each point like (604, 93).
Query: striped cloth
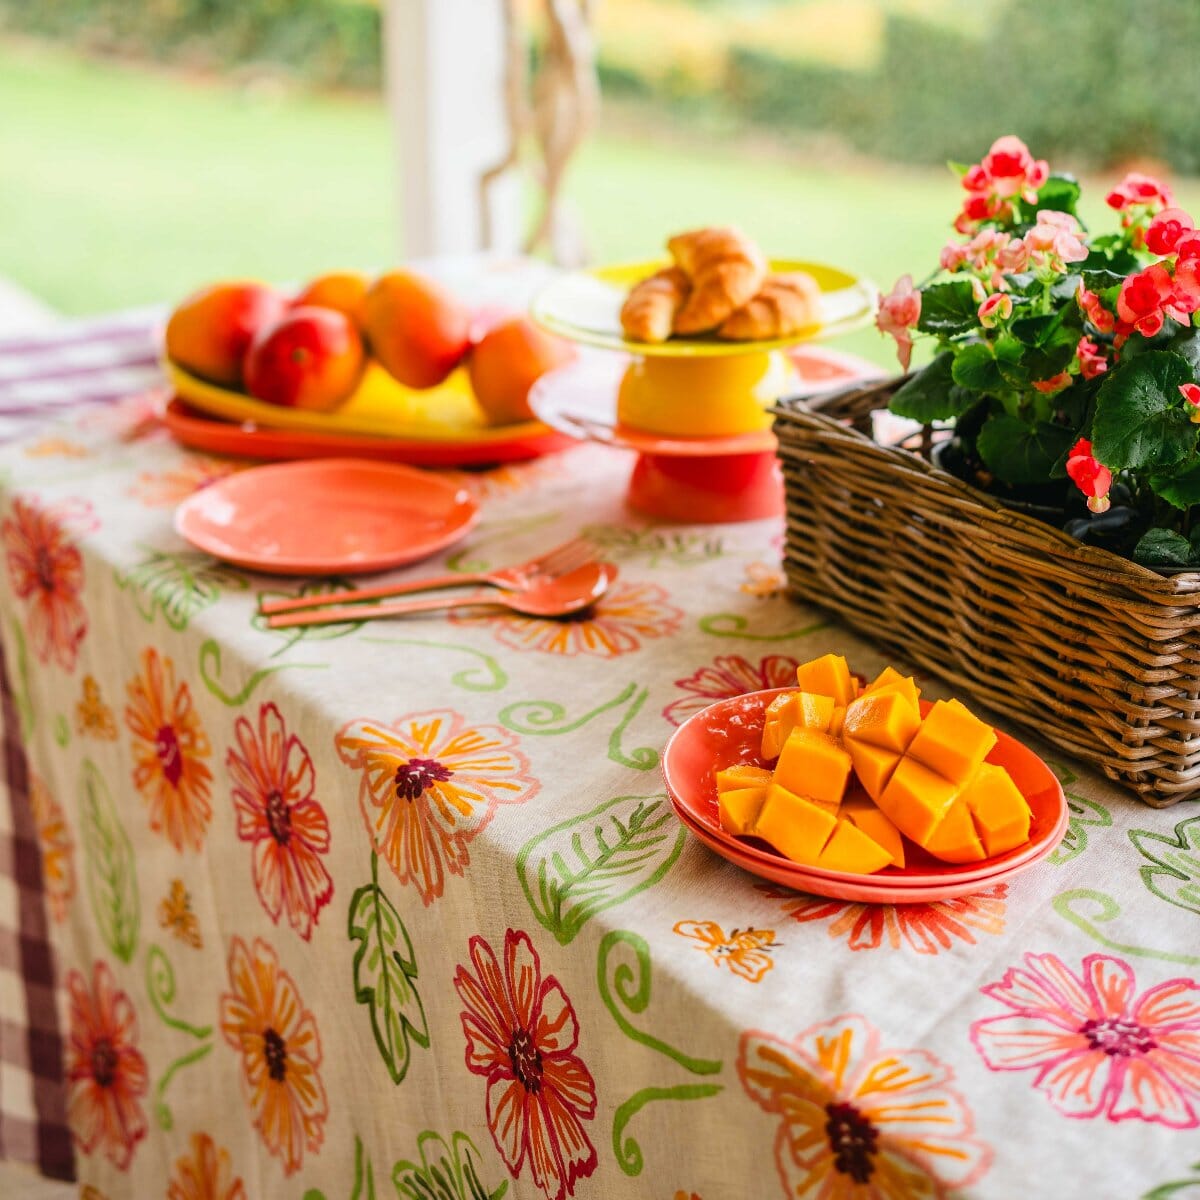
(71, 364)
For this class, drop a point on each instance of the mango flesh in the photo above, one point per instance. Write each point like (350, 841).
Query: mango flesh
(794, 826)
(952, 741)
(885, 719)
(889, 680)
(916, 799)
(813, 765)
(739, 809)
(867, 818)
(850, 849)
(955, 840)
(742, 775)
(998, 809)
(827, 676)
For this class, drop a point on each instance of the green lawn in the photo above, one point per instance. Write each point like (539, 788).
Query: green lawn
(120, 186)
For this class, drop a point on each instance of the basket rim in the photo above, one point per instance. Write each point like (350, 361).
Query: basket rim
(1182, 582)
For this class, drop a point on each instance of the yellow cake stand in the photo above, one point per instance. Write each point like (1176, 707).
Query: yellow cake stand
(696, 409)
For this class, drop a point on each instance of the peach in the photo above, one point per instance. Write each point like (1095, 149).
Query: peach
(310, 358)
(418, 331)
(507, 361)
(210, 332)
(344, 291)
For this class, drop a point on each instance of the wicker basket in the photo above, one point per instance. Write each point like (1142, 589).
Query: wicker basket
(1091, 652)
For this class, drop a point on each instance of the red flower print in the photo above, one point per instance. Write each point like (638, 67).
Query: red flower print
(277, 813)
(46, 571)
(105, 1071)
(860, 1121)
(521, 1036)
(430, 784)
(729, 675)
(624, 617)
(169, 749)
(923, 928)
(205, 1174)
(263, 1019)
(1098, 1048)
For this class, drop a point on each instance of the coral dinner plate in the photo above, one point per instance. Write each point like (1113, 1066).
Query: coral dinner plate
(730, 731)
(585, 306)
(331, 516)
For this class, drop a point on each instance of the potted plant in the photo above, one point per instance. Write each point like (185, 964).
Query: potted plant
(1043, 562)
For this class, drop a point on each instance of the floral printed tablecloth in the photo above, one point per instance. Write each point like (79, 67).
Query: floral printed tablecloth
(401, 908)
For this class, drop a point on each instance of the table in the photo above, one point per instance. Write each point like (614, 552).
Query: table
(402, 908)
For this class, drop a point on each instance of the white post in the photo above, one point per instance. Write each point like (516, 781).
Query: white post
(444, 64)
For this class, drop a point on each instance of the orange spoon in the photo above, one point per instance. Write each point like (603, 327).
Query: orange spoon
(557, 597)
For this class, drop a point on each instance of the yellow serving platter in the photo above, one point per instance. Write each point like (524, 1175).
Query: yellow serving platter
(381, 407)
(585, 306)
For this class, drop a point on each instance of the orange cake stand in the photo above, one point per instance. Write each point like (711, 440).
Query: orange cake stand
(695, 410)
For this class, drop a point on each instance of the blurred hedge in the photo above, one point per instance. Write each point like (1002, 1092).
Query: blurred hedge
(328, 42)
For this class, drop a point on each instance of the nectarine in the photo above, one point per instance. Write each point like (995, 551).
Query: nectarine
(310, 358)
(418, 331)
(507, 361)
(209, 333)
(345, 291)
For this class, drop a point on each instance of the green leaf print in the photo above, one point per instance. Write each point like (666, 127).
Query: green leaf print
(447, 1171)
(305, 633)
(1178, 1188)
(1083, 813)
(177, 585)
(1175, 873)
(653, 546)
(109, 865)
(582, 866)
(384, 971)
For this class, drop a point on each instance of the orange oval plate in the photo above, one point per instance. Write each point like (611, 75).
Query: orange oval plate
(331, 516)
(730, 731)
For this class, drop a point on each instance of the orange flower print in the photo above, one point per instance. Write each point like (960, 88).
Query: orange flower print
(263, 1019)
(746, 952)
(54, 840)
(105, 1071)
(763, 581)
(857, 1121)
(278, 814)
(729, 675)
(94, 718)
(430, 784)
(682, 1195)
(204, 1174)
(923, 928)
(46, 572)
(169, 749)
(624, 617)
(165, 489)
(175, 915)
(52, 447)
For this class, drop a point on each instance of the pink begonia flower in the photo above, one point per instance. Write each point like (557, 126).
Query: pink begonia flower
(1167, 229)
(1191, 393)
(1091, 477)
(1091, 361)
(1094, 310)
(1055, 383)
(898, 313)
(1145, 298)
(1012, 171)
(978, 208)
(1014, 257)
(996, 308)
(1055, 240)
(1136, 191)
(952, 257)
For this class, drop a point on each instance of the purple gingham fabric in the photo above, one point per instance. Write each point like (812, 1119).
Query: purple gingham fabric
(42, 374)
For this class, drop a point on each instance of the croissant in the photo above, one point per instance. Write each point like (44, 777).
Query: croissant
(726, 270)
(649, 310)
(784, 305)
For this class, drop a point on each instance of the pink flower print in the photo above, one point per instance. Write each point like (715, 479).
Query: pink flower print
(729, 675)
(1098, 1048)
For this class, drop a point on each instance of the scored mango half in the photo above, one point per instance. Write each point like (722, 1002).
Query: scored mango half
(857, 770)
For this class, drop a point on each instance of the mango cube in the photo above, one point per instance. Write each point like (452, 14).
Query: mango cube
(884, 719)
(813, 765)
(955, 839)
(999, 810)
(795, 827)
(778, 721)
(742, 775)
(827, 676)
(739, 808)
(890, 680)
(952, 741)
(916, 799)
(873, 765)
(849, 849)
(837, 720)
(813, 711)
(867, 817)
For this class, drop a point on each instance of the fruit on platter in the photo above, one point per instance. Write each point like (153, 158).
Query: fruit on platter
(860, 769)
(506, 362)
(417, 329)
(210, 332)
(310, 358)
(345, 291)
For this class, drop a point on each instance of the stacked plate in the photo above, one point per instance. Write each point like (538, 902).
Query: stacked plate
(730, 732)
